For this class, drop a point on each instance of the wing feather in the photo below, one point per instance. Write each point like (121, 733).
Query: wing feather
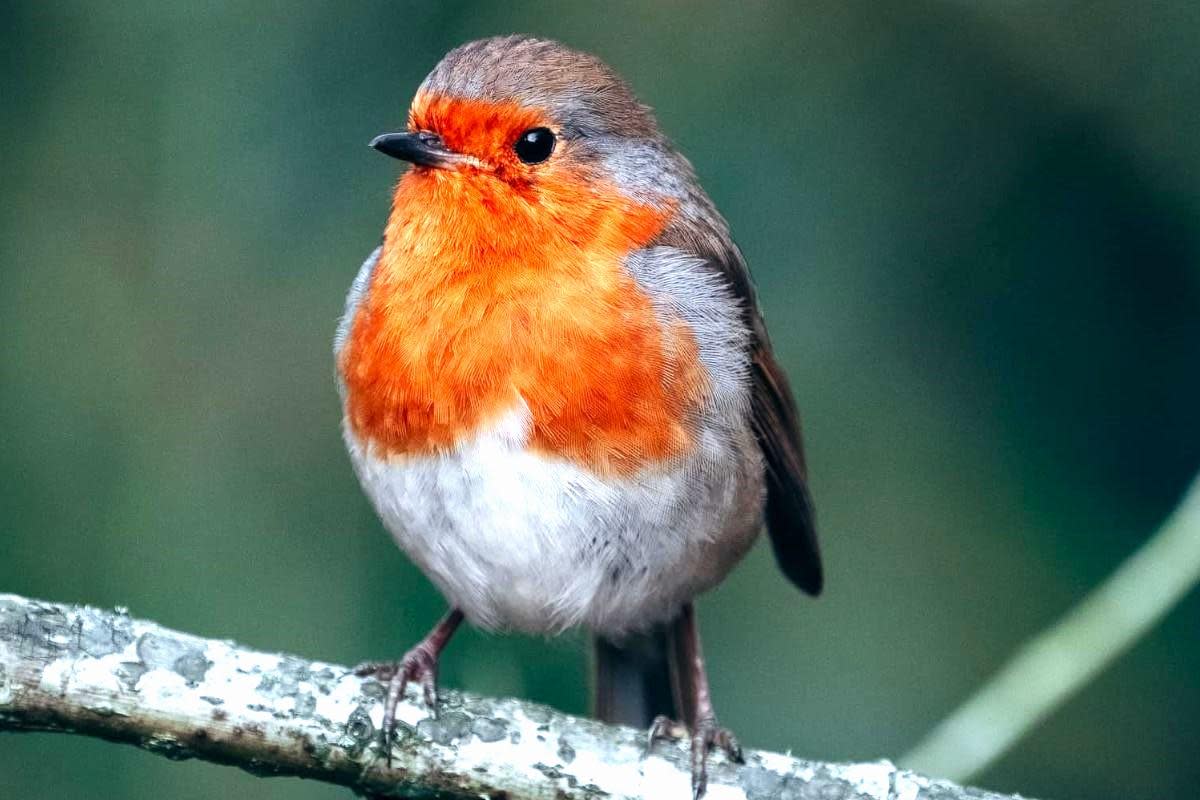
(776, 422)
(790, 518)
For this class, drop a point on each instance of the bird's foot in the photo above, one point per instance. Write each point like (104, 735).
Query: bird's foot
(419, 665)
(705, 736)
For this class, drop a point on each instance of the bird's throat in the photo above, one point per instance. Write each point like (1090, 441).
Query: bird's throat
(487, 296)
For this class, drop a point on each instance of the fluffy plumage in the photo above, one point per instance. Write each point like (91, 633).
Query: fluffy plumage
(559, 391)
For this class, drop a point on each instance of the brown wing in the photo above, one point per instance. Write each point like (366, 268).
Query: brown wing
(774, 417)
(790, 519)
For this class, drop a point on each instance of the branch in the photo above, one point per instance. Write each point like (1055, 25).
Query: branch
(1051, 667)
(102, 673)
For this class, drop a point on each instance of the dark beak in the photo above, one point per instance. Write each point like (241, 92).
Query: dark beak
(421, 148)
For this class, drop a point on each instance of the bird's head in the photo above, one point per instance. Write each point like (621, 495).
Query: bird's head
(535, 128)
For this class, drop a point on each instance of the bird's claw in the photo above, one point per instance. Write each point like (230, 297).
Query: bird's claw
(418, 664)
(706, 735)
(663, 727)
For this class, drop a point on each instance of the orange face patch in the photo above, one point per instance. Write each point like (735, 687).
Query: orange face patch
(484, 130)
(495, 287)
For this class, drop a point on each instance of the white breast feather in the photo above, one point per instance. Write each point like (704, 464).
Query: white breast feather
(530, 542)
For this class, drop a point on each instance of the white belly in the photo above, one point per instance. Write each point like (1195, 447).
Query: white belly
(523, 541)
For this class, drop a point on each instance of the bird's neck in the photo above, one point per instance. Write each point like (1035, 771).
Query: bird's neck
(483, 300)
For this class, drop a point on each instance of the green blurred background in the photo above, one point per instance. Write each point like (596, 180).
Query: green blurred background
(975, 231)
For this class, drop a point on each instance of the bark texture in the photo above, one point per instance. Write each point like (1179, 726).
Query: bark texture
(102, 673)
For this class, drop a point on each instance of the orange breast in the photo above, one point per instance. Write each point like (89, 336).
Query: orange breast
(488, 293)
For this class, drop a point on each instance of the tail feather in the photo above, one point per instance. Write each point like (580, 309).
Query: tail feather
(633, 679)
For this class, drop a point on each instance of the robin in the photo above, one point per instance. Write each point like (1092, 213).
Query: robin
(559, 393)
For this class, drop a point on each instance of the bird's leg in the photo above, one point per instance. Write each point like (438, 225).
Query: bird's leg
(694, 701)
(419, 664)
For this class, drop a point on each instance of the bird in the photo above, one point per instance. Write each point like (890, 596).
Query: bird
(558, 390)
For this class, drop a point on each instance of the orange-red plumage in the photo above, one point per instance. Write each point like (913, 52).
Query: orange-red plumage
(492, 288)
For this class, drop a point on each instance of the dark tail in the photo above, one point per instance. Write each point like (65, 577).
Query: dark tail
(633, 679)
(636, 680)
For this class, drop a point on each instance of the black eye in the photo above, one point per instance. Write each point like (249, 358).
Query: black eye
(535, 145)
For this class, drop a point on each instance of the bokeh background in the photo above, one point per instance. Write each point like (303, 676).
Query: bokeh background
(975, 230)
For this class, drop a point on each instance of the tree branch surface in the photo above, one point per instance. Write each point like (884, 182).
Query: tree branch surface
(102, 673)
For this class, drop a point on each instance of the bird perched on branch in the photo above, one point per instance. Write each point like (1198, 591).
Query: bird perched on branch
(559, 394)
